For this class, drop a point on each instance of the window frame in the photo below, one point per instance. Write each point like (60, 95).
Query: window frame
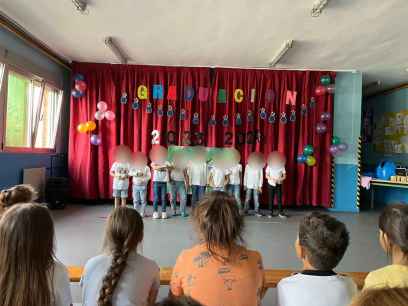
(3, 110)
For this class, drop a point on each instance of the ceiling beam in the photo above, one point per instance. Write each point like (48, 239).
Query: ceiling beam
(13, 27)
(387, 91)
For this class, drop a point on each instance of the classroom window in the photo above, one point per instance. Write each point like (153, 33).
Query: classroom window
(2, 66)
(49, 118)
(32, 112)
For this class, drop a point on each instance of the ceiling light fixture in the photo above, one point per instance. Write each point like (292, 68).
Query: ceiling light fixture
(110, 43)
(282, 51)
(318, 7)
(81, 6)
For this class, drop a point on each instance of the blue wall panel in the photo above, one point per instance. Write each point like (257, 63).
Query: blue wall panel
(347, 125)
(345, 194)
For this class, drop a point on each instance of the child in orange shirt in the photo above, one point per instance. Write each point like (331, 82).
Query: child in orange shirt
(220, 269)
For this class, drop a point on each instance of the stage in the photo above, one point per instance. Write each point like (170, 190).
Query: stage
(80, 229)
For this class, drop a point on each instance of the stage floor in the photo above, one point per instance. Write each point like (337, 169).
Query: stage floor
(80, 229)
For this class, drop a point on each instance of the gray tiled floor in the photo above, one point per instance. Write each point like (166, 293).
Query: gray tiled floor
(79, 231)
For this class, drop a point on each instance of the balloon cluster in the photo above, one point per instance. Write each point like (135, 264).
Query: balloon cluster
(321, 127)
(307, 156)
(79, 86)
(325, 86)
(86, 127)
(337, 147)
(103, 112)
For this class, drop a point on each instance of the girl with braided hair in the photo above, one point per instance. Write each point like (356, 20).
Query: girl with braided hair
(121, 277)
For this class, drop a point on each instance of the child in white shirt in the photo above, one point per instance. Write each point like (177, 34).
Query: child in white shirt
(141, 176)
(253, 181)
(234, 182)
(120, 173)
(217, 179)
(197, 174)
(160, 179)
(121, 276)
(179, 184)
(321, 244)
(275, 173)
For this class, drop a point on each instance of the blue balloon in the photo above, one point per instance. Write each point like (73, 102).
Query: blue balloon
(301, 159)
(385, 170)
(79, 77)
(76, 93)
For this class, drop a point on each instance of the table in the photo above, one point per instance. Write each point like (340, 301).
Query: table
(384, 183)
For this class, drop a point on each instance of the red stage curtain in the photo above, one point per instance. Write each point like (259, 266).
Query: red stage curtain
(89, 165)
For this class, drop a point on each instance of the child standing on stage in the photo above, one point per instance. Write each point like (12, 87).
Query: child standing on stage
(217, 178)
(179, 184)
(120, 172)
(160, 167)
(141, 176)
(275, 173)
(235, 178)
(197, 174)
(253, 181)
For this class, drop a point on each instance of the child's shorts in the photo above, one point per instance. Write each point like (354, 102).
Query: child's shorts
(120, 193)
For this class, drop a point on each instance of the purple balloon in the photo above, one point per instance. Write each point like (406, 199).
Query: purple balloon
(95, 140)
(325, 116)
(342, 147)
(334, 150)
(321, 128)
(331, 88)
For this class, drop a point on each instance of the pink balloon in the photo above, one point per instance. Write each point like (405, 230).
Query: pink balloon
(109, 115)
(331, 88)
(80, 85)
(102, 106)
(99, 115)
(320, 90)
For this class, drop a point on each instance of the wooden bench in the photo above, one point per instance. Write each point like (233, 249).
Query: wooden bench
(272, 277)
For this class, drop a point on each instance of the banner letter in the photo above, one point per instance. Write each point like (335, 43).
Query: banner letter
(239, 95)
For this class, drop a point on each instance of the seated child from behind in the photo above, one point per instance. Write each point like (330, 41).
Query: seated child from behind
(17, 194)
(393, 236)
(321, 244)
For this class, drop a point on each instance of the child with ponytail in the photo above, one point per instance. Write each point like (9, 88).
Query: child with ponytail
(121, 277)
(393, 236)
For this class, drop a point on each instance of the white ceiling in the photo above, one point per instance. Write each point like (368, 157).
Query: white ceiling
(366, 35)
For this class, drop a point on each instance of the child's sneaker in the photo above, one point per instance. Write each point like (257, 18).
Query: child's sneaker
(164, 215)
(282, 215)
(142, 211)
(155, 215)
(271, 215)
(258, 214)
(184, 214)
